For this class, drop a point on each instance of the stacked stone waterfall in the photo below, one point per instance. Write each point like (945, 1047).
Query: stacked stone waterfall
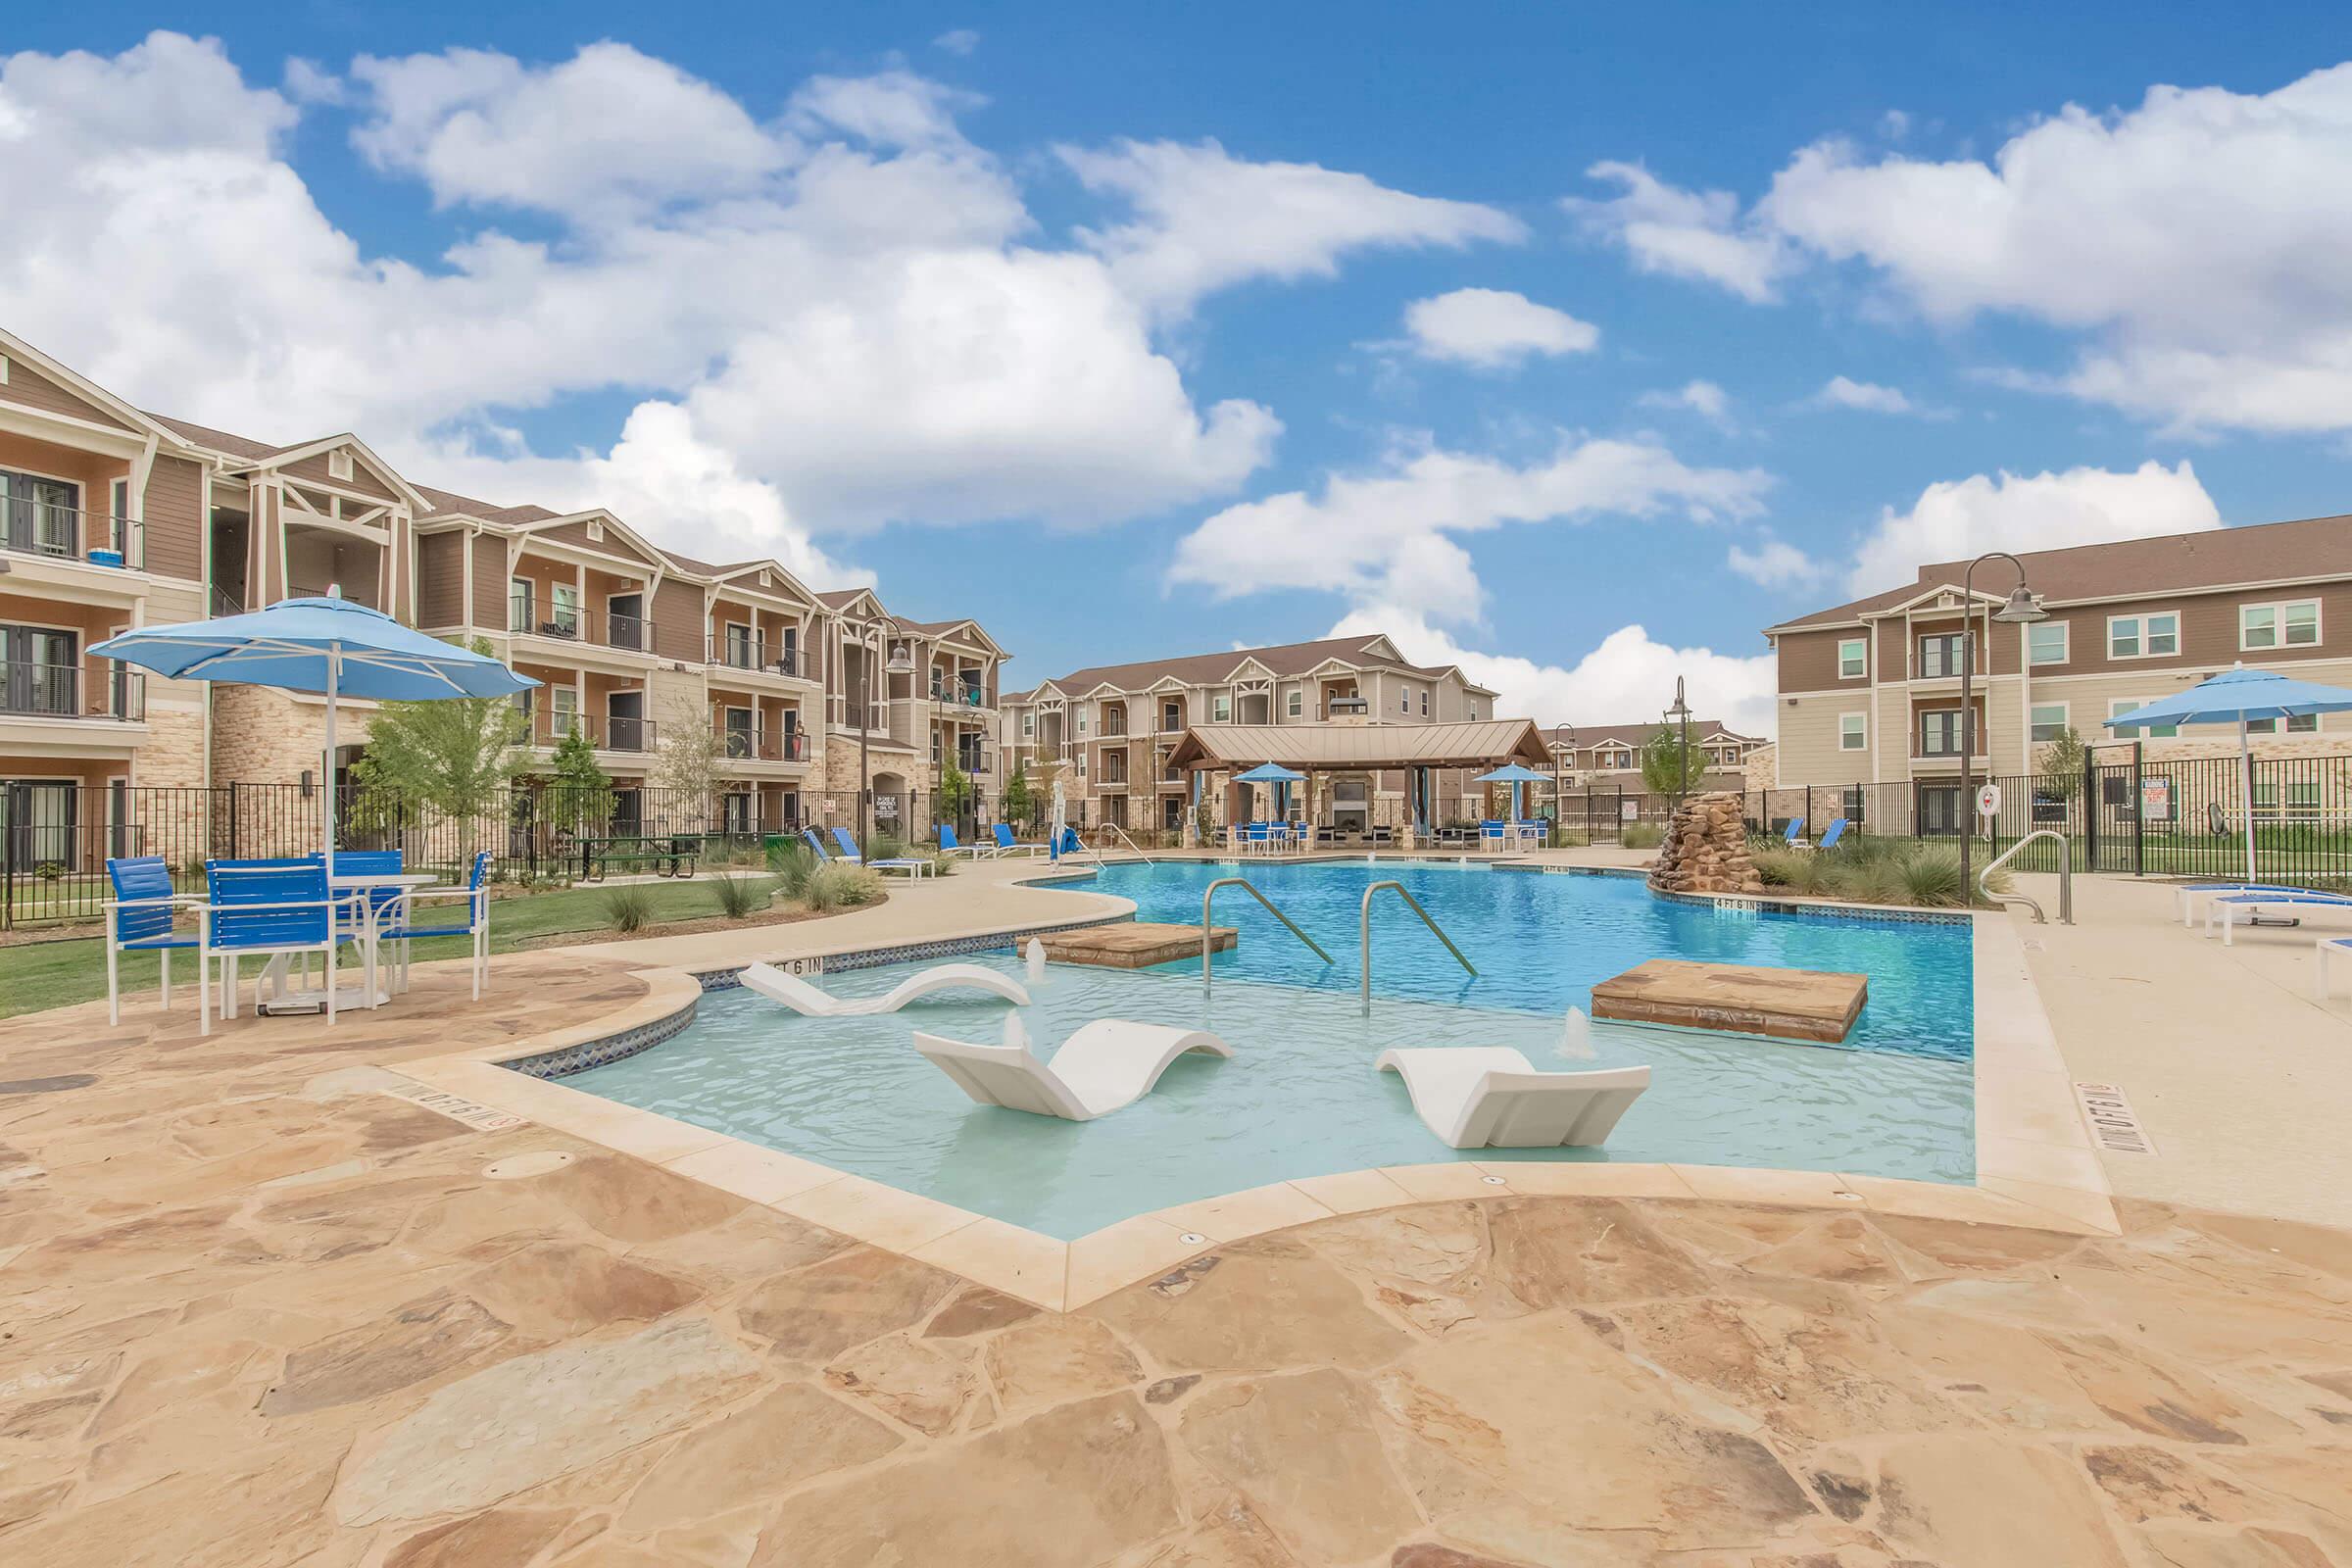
(1706, 850)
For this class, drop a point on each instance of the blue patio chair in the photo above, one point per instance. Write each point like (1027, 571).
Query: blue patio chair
(849, 846)
(823, 855)
(1006, 844)
(266, 909)
(397, 922)
(139, 920)
(907, 863)
(948, 845)
(1829, 840)
(1797, 831)
(2288, 907)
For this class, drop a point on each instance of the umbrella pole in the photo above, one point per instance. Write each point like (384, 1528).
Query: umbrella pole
(326, 808)
(2245, 771)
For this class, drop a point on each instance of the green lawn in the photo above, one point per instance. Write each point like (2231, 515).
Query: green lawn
(37, 975)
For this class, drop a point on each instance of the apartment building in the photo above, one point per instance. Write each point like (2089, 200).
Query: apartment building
(1870, 690)
(112, 516)
(1609, 756)
(1106, 731)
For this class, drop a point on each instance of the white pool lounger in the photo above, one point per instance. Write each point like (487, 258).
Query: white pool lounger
(802, 998)
(1490, 1097)
(1106, 1065)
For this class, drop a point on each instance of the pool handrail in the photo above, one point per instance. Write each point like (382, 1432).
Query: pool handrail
(1208, 896)
(2066, 877)
(1137, 849)
(1363, 930)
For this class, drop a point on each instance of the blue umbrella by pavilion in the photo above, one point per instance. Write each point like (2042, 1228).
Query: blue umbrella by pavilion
(317, 645)
(2233, 697)
(1280, 777)
(1514, 774)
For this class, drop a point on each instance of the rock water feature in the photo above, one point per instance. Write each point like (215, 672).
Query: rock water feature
(1706, 850)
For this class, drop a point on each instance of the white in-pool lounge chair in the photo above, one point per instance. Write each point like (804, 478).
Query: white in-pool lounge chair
(804, 999)
(1105, 1066)
(1489, 1097)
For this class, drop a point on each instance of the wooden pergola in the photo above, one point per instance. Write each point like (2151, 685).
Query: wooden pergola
(1417, 751)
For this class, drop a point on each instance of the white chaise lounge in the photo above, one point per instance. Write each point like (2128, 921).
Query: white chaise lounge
(802, 998)
(1105, 1066)
(1482, 1097)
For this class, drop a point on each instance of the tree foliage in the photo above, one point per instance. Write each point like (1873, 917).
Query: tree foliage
(688, 769)
(1020, 806)
(1667, 766)
(955, 792)
(2059, 772)
(451, 757)
(579, 795)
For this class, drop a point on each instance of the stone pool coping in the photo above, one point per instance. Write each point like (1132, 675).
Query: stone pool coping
(2035, 1164)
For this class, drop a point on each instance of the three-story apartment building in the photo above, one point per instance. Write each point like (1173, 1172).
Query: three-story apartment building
(1609, 756)
(110, 516)
(1870, 690)
(1105, 731)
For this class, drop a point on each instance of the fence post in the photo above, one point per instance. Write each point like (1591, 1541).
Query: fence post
(8, 860)
(1809, 810)
(2140, 813)
(2090, 811)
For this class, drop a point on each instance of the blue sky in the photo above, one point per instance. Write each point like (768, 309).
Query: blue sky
(1098, 323)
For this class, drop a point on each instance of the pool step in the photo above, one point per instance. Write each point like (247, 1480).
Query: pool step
(1786, 1004)
(1134, 944)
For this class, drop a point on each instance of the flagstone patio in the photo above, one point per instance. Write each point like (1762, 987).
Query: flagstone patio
(253, 1311)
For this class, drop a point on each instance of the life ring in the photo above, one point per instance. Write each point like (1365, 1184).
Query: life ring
(2215, 819)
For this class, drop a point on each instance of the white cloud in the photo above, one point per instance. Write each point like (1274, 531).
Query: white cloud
(1493, 329)
(958, 41)
(890, 109)
(1626, 676)
(1205, 219)
(1774, 564)
(1703, 398)
(1960, 519)
(308, 82)
(1685, 233)
(1390, 536)
(1843, 392)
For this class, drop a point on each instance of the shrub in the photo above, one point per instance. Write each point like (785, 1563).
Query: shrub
(885, 846)
(1930, 876)
(740, 896)
(942, 863)
(629, 909)
(1876, 880)
(841, 886)
(789, 861)
(1779, 868)
(1642, 835)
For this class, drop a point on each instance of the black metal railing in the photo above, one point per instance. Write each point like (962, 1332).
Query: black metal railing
(606, 732)
(531, 615)
(762, 743)
(31, 527)
(70, 691)
(752, 652)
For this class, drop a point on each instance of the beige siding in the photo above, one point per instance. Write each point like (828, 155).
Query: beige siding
(176, 523)
(363, 479)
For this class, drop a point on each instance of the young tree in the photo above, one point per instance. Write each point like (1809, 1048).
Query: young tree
(955, 793)
(579, 791)
(688, 769)
(451, 757)
(2059, 773)
(1018, 804)
(1667, 766)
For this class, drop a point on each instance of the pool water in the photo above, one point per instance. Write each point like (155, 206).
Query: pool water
(1301, 1095)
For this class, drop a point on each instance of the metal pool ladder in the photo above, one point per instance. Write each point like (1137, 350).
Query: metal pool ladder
(1208, 894)
(1363, 929)
(1130, 842)
(2066, 877)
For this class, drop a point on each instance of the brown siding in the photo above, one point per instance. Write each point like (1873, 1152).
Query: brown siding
(363, 478)
(176, 523)
(93, 473)
(29, 388)
(1808, 661)
(441, 579)
(677, 615)
(2208, 630)
(611, 544)
(490, 582)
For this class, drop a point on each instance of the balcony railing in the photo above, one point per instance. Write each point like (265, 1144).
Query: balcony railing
(530, 615)
(66, 533)
(875, 716)
(752, 652)
(1337, 705)
(759, 743)
(67, 691)
(606, 732)
(963, 694)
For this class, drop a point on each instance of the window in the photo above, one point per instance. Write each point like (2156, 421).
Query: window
(565, 602)
(519, 604)
(1082, 763)
(1170, 722)
(595, 531)
(41, 516)
(1940, 732)
(2125, 704)
(2046, 642)
(563, 704)
(2296, 724)
(1425, 704)
(1853, 732)
(739, 645)
(1853, 658)
(2292, 625)
(1939, 657)
(1028, 725)
(2154, 636)
(338, 464)
(1296, 704)
(1221, 708)
(1079, 720)
(2047, 720)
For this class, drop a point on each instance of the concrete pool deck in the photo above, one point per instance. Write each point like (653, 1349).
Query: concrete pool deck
(263, 1309)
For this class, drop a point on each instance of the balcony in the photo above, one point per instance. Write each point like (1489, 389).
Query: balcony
(1348, 708)
(606, 732)
(761, 743)
(66, 690)
(963, 694)
(64, 533)
(529, 615)
(754, 653)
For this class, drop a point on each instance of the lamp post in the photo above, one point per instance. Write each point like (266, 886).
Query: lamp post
(2021, 608)
(1681, 757)
(1563, 740)
(875, 634)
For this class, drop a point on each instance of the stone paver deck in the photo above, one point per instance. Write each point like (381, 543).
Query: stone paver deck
(255, 1310)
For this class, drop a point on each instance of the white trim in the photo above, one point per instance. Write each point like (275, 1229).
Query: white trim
(1864, 672)
(2279, 609)
(2066, 644)
(2141, 635)
(2065, 721)
(1864, 716)
(2117, 706)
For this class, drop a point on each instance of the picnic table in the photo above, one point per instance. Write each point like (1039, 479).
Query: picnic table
(668, 853)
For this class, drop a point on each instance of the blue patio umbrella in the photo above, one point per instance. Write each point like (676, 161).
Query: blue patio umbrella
(1279, 776)
(2233, 697)
(317, 645)
(1514, 774)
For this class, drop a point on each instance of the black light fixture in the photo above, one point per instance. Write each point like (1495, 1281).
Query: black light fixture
(2020, 609)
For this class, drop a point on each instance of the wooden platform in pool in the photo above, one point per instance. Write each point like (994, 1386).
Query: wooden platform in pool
(1786, 1004)
(1134, 944)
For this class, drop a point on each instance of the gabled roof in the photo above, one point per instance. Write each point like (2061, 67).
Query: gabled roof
(1704, 732)
(1280, 661)
(89, 391)
(1489, 742)
(2217, 557)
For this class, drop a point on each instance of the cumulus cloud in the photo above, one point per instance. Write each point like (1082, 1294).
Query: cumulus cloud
(1205, 219)
(1626, 674)
(958, 41)
(1685, 233)
(1493, 329)
(1844, 392)
(1391, 536)
(1703, 398)
(1774, 564)
(1961, 518)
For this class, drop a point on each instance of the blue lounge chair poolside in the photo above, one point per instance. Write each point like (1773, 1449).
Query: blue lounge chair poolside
(2189, 893)
(1829, 840)
(139, 920)
(948, 844)
(1006, 844)
(2249, 908)
(848, 852)
(1796, 832)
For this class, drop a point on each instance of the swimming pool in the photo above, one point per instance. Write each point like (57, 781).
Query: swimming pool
(1301, 1095)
